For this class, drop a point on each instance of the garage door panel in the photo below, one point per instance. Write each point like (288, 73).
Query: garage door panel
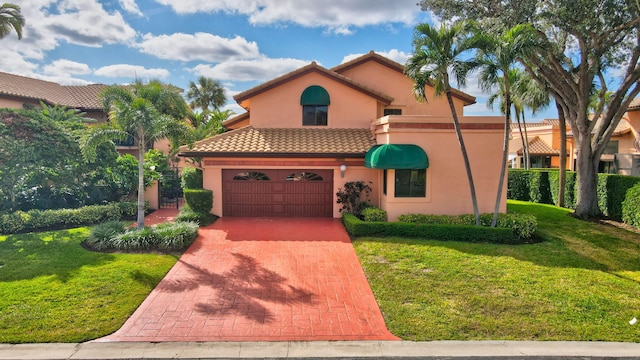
(287, 192)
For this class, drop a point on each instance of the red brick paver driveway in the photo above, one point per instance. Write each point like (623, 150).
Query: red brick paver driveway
(262, 279)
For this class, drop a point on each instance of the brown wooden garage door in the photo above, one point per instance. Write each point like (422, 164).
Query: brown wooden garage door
(300, 193)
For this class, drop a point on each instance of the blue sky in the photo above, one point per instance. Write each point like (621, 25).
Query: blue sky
(242, 43)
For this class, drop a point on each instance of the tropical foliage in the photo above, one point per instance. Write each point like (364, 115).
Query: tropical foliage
(147, 112)
(11, 19)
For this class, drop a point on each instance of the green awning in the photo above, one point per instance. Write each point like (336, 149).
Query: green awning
(396, 156)
(314, 95)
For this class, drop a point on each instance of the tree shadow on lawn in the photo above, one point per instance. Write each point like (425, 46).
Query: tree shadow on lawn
(59, 253)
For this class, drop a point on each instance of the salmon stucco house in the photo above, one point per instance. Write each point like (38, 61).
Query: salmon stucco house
(306, 133)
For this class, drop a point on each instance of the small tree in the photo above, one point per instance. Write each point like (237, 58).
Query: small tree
(351, 197)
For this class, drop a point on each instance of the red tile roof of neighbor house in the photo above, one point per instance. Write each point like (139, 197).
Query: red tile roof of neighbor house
(537, 146)
(635, 104)
(79, 97)
(284, 142)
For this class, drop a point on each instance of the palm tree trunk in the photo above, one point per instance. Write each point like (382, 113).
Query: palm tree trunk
(527, 159)
(505, 153)
(562, 175)
(465, 157)
(141, 150)
(522, 138)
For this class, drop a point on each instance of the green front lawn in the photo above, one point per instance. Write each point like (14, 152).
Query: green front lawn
(581, 283)
(53, 290)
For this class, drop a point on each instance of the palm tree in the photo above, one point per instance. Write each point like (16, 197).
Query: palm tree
(497, 61)
(147, 112)
(207, 94)
(10, 18)
(437, 52)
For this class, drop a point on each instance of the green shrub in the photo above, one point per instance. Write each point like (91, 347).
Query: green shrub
(101, 233)
(372, 213)
(518, 185)
(202, 219)
(522, 226)
(199, 200)
(164, 237)
(445, 232)
(631, 207)
(351, 197)
(191, 178)
(569, 188)
(39, 220)
(612, 190)
(176, 236)
(540, 189)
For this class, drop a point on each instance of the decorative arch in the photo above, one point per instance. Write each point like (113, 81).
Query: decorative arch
(251, 176)
(304, 176)
(315, 95)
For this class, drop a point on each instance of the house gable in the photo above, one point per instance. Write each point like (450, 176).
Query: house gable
(277, 104)
(382, 74)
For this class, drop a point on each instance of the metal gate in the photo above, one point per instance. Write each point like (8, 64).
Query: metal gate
(169, 190)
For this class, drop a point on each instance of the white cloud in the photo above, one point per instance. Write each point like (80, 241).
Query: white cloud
(87, 23)
(130, 6)
(131, 71)
(393, 54)
(199, 46)
(64, 66)
(338, 16)
(249, 70)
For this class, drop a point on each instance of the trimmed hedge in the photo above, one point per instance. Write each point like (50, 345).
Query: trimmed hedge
(631, 206)
(40, 220)
(372, 213)
(164, 237)
(612, 190)
(191, 178)
(199, 200)
(518, 185)
(446, 232)
(202, 219)
(570, 186)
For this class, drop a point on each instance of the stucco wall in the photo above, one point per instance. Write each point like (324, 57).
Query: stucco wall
(447, 186)
(280, 107)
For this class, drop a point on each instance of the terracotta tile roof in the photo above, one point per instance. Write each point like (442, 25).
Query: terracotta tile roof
(81, 97)
(537, 146)
(313, 67)
(635, 104)
(285, 142)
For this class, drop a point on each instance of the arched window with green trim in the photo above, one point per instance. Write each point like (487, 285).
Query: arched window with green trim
(315, 106)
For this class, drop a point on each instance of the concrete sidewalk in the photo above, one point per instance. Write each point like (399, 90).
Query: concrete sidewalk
(326, 350)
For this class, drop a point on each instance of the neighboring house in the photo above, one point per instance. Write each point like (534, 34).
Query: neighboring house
(19, 92)
(305, 134)
(621, 156)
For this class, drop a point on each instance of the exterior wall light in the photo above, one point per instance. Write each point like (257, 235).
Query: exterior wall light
(343, 168)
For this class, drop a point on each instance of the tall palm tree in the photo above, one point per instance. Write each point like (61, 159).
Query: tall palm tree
(207, 94)
(498, 61)
(437, 53)
(11, 19)
(147, 112)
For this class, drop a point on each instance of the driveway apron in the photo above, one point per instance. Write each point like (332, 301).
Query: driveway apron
(262, 279)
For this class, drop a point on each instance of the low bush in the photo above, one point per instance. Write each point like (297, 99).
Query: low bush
(511, 228)
(164, 237)
(199, 200)
(354, 197)
(39, 220)
(191, 178)
(522, 226)
(445, 232)
(101, 233)
(374, 214)
(201, 218)
(631, 207)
